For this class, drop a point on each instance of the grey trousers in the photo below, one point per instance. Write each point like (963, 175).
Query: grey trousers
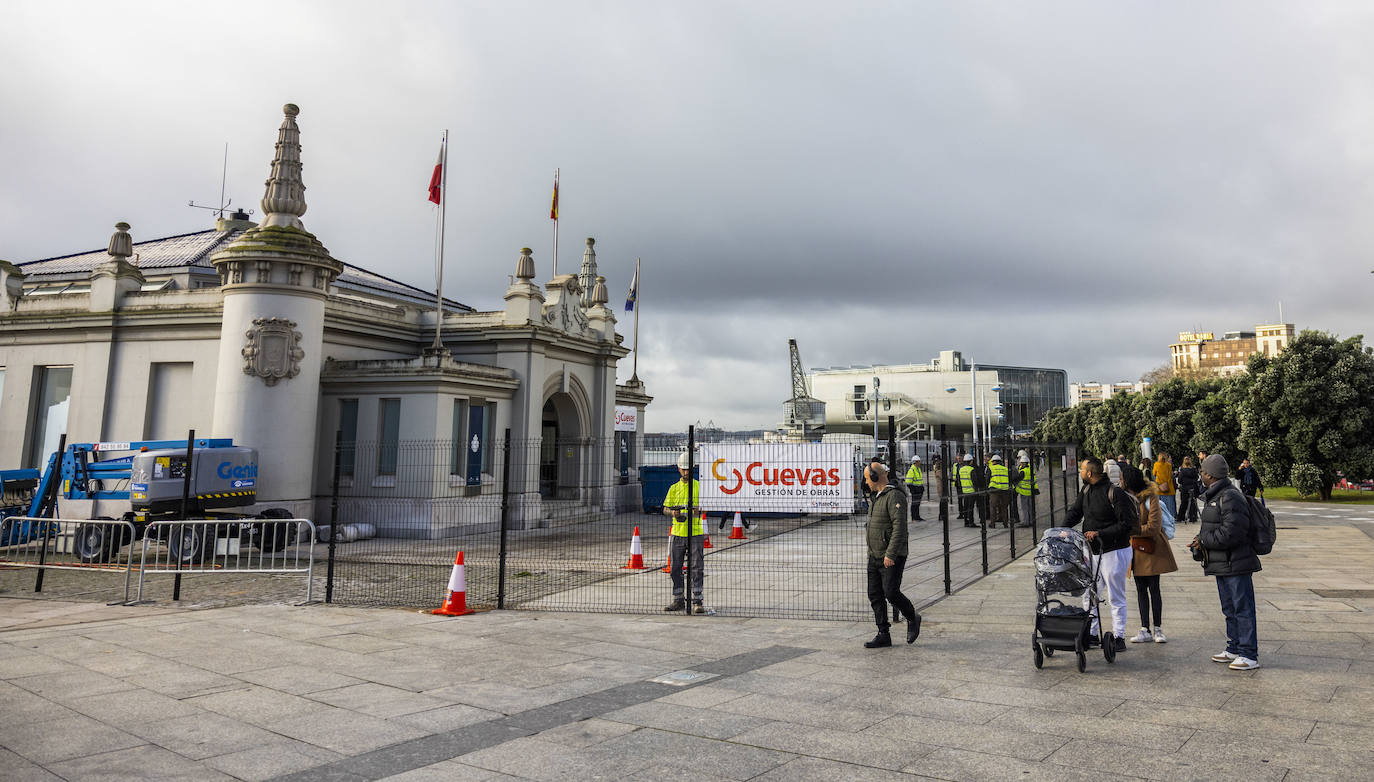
(1023, 506)
(677, 553)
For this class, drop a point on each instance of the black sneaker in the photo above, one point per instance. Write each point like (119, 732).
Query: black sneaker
(1120, 644)
(677, 605)
(913, 629)
(879, 641)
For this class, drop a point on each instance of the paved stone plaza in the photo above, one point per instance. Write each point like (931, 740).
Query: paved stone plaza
(321, 692)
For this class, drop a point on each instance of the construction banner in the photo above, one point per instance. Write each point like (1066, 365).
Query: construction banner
(777, 477)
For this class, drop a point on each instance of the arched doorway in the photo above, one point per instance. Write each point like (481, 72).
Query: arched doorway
(559, 448)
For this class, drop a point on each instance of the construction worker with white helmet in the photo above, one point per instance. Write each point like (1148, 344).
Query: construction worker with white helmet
(916, 486)
(999, 481)
(1024, 480)
(963, 483)
(680, 537)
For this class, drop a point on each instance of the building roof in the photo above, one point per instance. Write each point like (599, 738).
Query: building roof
(195, 249)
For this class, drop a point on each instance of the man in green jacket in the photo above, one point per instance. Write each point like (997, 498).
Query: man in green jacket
(887, 549)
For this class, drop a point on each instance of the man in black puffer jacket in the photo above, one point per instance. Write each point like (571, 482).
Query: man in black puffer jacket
(1224, 546)
(1109, 519)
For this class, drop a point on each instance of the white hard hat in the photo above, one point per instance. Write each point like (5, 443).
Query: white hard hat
(684, 462)
(1024, 459)
(997, 457)
(916, 458)
(968, 457)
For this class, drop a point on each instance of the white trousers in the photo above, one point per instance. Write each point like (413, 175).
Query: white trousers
(1111, 584)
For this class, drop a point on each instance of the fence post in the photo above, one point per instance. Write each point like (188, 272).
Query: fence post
(505, 513)
(1049, 480)
(1035, 489)
(185, 505)
(945, 484)
(687, 556)
(54, 480)
(1009, 501)
(333, 517)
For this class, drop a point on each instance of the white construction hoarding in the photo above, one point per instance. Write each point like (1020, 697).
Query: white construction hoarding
(777, 477)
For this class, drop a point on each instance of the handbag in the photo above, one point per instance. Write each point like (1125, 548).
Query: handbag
(1143, 544)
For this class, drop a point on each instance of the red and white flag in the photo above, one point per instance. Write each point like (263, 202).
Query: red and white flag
(436, 180)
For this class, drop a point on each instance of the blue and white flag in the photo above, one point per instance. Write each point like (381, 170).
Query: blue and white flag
(634, 291)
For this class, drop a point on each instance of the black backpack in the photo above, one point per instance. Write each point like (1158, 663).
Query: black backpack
(1263, 531)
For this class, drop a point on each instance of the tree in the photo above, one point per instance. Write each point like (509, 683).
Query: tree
(1216, 419)
(1312, 404)
(1166, 416)
(1114, 427)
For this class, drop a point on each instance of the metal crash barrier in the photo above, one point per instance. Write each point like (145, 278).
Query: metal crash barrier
(228, 547)
(85, 545)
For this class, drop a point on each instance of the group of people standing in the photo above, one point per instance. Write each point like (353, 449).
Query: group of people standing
(988, 489)
(1127, 519)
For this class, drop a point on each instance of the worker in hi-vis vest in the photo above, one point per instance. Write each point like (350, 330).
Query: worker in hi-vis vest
(675, 505)
(963, 482)
(916, 486)
(1025, 488)
(999, 481)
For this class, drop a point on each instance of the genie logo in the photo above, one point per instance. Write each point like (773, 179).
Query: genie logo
(227, 470)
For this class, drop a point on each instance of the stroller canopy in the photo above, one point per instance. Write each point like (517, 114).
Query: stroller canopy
(1062, 564)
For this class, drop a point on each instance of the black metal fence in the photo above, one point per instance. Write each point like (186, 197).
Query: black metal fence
(548, 524)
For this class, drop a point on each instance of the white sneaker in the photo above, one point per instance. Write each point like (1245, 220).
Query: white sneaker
(1159, 636)
(1243, 664)
(1142, 637)
(1223, 657)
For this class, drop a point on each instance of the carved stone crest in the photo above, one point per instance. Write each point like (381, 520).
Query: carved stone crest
(273, 351)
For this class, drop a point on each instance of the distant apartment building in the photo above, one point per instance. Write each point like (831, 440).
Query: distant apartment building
(1227, 356)
(1096, 393)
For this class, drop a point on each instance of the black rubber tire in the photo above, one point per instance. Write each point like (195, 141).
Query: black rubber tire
(1109, 647)
(271, 537)
(94, 544)
(1039, 657)
(1082, 662)
(1049, 651)
(188, 545)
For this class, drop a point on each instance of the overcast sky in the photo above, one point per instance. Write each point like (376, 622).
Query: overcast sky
(1049, 184)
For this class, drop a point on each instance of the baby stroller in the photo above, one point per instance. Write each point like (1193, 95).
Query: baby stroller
(1064, 568)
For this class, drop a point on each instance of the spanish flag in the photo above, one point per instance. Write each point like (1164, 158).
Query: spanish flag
(436, 180)
(553, 210)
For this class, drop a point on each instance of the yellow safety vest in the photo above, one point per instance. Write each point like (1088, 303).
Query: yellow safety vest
(677, 496)
(1000, 479)
(914, 476)
(966, 478)
(1026, 484)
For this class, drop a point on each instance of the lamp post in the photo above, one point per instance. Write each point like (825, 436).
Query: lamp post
(973, 401)
(876, 397)
(987, 422)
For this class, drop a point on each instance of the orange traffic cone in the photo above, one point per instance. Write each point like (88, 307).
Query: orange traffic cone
(457, 602)
(636, 553)
(737, 531)
(707, 544)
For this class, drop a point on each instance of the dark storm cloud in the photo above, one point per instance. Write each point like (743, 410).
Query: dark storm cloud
(1054, 184)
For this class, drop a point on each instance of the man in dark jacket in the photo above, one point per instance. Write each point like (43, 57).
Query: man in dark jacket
(1249, 479)
(1189, 489)
(1226, 551)
(1109, 518)
(886, 534)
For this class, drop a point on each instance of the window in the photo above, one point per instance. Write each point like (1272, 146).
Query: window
(388, 435)
(488, 428)
(457, 462)
(49, 417)
(348, 436)
(168, 416)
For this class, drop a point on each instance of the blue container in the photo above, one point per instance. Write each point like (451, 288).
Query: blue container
(657, 480)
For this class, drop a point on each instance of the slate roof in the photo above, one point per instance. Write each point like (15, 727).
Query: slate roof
(195, 249)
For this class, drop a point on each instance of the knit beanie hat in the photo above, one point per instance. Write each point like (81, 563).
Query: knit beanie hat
(1215, 465)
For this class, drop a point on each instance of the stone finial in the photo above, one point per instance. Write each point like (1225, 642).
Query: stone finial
(121, 243)
(586, 278)
(284, 201)
(599, 293)
(524, 267)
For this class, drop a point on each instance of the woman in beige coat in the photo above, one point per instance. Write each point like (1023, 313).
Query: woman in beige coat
(1148, 567)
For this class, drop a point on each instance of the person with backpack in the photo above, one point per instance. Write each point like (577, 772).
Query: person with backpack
(1188, 490)
(1226, 547)
(1151, 557)
(1109, 517)
(1250, 479)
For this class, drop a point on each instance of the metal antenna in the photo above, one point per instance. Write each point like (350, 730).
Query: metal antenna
(223, 177)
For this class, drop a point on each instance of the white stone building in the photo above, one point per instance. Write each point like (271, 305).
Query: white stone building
(255, 332)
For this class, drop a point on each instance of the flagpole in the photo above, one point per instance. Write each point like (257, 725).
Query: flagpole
(555, 222)
(443, 207)
(634, 375)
